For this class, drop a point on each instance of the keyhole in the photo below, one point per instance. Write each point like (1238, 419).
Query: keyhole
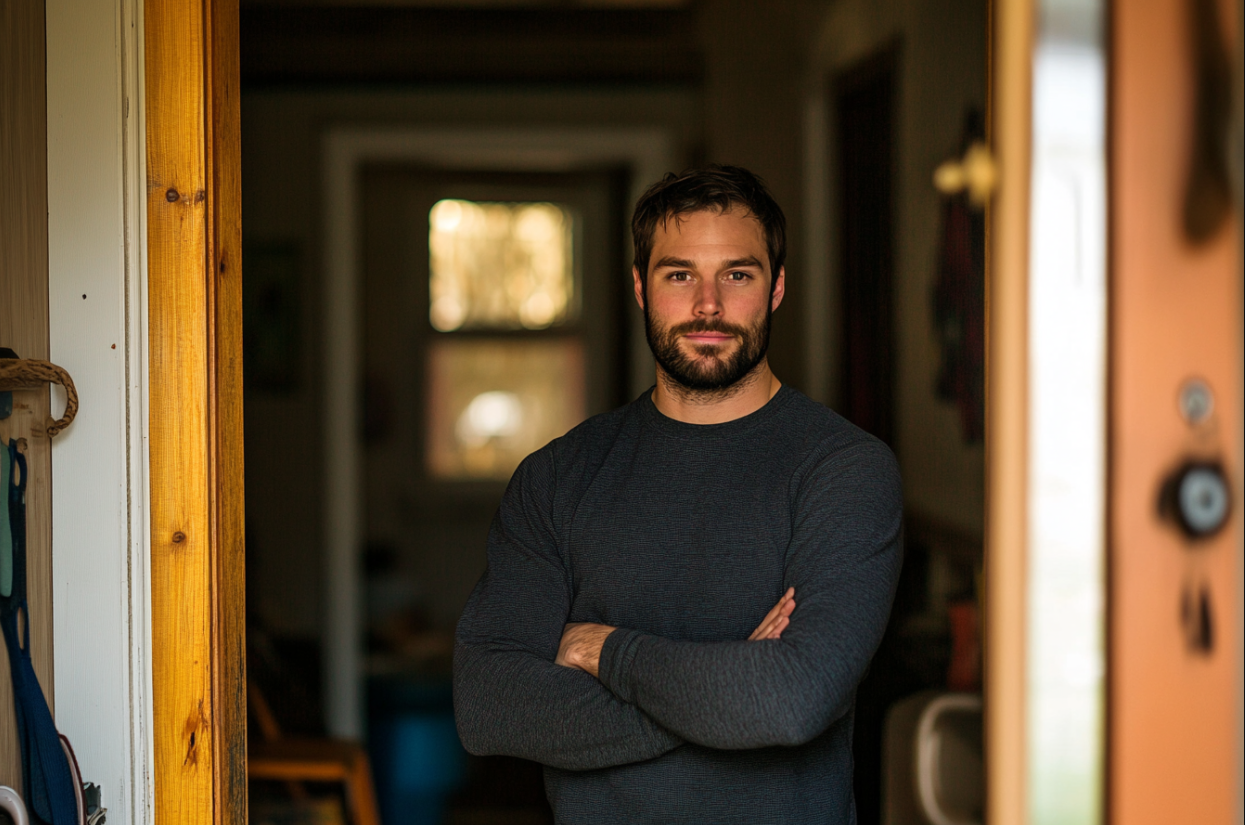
(1197, 616)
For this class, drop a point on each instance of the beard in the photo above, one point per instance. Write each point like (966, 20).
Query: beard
(705, 369)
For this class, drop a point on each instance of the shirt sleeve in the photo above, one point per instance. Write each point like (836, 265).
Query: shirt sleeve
(509, 696)
(843, 561)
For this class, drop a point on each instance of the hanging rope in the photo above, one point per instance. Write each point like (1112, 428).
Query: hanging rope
(27, 374)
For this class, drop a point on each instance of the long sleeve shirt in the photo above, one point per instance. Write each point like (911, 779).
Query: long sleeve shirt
(684, 536)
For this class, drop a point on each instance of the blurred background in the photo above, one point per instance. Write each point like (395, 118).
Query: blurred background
(470, 168)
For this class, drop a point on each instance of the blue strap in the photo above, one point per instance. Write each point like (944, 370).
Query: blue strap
(6, 533)
(46, 780)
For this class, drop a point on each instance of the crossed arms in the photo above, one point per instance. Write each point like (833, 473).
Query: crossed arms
(524, 681)
(582, 641)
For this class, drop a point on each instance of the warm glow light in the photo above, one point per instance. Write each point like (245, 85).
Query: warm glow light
(492, 401)
(446, 216)
(500, 265)
(494, 414)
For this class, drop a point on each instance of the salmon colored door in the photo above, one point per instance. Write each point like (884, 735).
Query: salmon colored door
(1176, 304)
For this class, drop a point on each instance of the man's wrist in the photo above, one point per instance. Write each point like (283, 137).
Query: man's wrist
(618, 655)
(589, 648)
(581, 646)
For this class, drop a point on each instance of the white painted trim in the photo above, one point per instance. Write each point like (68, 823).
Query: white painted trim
(98, 331)
(141, 681)
(648, 153)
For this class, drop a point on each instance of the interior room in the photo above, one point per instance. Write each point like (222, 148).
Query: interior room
(288, 287)
(436, 198)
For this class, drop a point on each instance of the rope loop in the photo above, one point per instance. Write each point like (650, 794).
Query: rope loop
(28, 374)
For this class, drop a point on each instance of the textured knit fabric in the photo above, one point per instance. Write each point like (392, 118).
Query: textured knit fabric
(684, 536)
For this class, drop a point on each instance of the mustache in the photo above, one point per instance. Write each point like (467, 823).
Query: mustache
(706, 325)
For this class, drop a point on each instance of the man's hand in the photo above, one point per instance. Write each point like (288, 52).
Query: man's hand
(582, 641)
(776, 621)
(581, 646)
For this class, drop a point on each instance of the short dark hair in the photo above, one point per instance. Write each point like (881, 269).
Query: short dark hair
(720, 188)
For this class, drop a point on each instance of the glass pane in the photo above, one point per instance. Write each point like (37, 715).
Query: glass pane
(490, 403)
(500, 265)
(1067, 417)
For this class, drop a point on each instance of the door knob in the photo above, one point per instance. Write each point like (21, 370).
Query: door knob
(976, 173)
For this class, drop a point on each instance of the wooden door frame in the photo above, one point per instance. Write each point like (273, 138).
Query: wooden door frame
(195, 405)
(1007, 432)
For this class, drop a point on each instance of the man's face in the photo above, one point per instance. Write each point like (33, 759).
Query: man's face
(708, 300)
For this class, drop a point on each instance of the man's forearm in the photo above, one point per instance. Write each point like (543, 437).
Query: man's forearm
(731, 695)
(509, 696)
(582, 643)
(516, 704)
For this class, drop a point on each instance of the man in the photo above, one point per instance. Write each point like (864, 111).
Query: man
(637, 629)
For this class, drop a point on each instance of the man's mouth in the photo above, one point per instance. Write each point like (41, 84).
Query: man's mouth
(708, 337)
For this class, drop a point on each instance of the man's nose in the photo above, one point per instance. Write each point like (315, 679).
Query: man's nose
(708, 301)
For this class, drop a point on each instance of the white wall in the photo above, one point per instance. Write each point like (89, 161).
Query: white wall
(98, 329)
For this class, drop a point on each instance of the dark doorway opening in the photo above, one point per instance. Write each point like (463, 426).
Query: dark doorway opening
(863, 105)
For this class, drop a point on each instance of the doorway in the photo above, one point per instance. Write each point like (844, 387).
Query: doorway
(295, 122)
(493, 322)
(707, 142)
(864, 104)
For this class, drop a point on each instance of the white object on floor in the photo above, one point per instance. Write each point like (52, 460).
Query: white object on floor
(12, 804)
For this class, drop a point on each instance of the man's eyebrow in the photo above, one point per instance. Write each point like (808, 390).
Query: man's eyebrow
(674, 263)
(742, 262)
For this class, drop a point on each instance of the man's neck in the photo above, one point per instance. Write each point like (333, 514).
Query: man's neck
(744, 397)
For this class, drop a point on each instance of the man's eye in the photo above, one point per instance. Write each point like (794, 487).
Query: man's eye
(738, 276)
(679, 276)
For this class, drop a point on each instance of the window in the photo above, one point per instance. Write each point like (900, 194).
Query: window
(505, 368)
(500, 265)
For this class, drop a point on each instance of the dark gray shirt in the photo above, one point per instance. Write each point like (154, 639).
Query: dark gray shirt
(684, 536)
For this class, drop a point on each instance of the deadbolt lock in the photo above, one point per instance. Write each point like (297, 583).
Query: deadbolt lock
(1196, 498)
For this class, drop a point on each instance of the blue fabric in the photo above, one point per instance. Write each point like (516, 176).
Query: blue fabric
(47, 783)
(6, 533)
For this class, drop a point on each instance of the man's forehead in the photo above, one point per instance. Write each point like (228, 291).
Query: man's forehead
(718, 239)
(671, 226)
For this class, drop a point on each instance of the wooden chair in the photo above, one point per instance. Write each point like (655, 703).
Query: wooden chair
(294, 761)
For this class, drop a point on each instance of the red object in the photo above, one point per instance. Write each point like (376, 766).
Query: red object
(964, 672)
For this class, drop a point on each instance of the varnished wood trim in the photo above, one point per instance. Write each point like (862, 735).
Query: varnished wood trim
(229, 556)
(1006, 415)
(194, 302)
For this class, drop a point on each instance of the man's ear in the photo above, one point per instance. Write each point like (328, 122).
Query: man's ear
(639, 286)
(780, 287)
